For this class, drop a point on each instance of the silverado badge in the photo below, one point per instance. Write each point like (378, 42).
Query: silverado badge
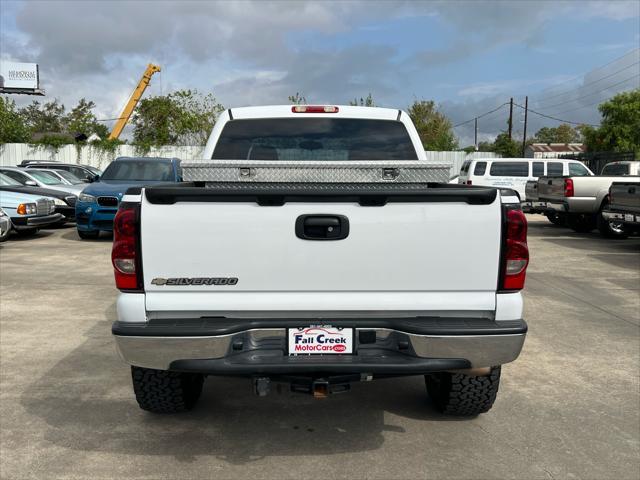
(182, 281)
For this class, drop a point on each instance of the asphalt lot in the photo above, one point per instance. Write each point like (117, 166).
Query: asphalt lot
(569, 407)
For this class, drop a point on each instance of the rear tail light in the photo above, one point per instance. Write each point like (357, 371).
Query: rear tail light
(314, 109)
(125, 253)
(515, 255)
(469, 182)
(568, 187)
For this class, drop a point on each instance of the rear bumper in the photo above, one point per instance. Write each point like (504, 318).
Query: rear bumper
(617, 216)
(572, 205)
(534, 206)
(382, 346)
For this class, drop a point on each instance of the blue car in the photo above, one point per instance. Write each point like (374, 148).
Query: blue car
(98, 202)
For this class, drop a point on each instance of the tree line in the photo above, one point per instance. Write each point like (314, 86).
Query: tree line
(186, 117)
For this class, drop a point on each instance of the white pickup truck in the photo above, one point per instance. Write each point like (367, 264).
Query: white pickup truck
(318, 284)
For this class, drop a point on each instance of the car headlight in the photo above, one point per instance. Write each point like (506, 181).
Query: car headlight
(26, 209)
(61, 203)
(85, 197)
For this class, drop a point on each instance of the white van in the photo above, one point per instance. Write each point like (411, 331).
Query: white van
(515, 172)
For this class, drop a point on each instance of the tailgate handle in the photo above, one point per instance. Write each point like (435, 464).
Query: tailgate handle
(549, 182)
(632, 189)
(322, 227)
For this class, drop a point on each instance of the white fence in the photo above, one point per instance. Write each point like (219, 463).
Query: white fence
(12, 154)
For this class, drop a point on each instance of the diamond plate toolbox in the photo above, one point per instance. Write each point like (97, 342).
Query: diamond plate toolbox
(279, 171)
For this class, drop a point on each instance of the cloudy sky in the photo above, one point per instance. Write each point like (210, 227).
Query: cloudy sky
(469, 57)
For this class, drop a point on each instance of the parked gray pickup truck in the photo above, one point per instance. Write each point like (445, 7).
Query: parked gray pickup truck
(533, 204)
(624, 205)
(583, 199)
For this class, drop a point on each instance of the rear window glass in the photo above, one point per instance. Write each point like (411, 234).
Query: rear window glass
(554, 169)
(465, 168)
(509, 169)
(538, 169)
(139, 170)
(616, 169)
(69, 177)
(314, 139)
(577, 170)
(480, 168)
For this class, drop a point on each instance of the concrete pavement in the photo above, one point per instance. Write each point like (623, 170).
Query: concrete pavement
(567, 408)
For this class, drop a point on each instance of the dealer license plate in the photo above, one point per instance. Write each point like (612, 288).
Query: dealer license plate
(320, 339)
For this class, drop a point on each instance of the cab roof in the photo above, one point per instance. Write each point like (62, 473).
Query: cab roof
(286, 111)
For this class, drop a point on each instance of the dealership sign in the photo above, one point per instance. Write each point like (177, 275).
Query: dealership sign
(19, 77)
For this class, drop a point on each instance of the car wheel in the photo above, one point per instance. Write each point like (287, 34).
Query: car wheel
(88, 234)
(556, 218)
(463, 395)
(581, 223)
(610, 229)
(162, 391)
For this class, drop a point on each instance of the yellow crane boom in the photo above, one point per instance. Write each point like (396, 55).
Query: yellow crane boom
(133, 101)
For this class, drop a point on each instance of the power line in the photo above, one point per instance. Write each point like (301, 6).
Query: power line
(591, 83)
(593, 93)
(554, 118)
(591, 71)
(582, 106)
(480, 116)
(589, 104)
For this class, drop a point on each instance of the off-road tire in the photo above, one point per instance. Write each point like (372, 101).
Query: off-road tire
(162, 391)
(581, 223)
(556, 218)
(463, 395)
(88, 234)
(605, 228)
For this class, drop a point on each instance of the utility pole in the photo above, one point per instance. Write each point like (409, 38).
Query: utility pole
(475, 136)
(524, 134)
(510, 117)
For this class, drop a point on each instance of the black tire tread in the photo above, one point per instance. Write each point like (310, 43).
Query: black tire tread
(463, 395)
(88, 234)
(162, 391)
(556, 218)
(581, 223)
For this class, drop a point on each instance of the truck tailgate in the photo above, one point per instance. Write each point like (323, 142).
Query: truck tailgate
(625, 195)
(426, 252)
(551, 188)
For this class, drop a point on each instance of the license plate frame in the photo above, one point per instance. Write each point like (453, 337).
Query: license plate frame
(320, 340)
(628, 217)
